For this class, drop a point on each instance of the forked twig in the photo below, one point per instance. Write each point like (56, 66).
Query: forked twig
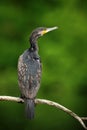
(51, 103)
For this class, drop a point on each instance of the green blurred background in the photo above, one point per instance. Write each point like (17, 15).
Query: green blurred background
(64, 57)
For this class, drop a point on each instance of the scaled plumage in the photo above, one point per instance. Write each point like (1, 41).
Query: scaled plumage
(29, 75)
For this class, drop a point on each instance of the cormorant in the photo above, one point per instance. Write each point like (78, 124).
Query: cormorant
(29, 71)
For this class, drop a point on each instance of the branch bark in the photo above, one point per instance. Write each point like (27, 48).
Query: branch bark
(51, 103)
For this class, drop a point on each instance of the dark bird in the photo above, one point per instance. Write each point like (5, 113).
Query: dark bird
(29, 71)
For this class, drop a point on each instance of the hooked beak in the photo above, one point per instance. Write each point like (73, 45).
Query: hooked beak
(48, 30)
(51, 29)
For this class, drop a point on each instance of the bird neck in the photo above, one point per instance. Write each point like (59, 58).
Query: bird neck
(33, 44)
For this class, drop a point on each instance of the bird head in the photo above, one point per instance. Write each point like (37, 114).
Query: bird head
(41, 31)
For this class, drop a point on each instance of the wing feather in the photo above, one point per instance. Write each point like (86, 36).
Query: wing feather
(29, 76)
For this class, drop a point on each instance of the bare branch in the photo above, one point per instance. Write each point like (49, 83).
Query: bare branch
(10, 98)
(51, 103)
(84, 118)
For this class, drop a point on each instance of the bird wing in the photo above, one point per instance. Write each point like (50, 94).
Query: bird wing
(29, 75)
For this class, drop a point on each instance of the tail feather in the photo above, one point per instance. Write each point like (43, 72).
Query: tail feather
(29, 108)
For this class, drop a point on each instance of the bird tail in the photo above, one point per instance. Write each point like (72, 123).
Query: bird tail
(29, 108)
